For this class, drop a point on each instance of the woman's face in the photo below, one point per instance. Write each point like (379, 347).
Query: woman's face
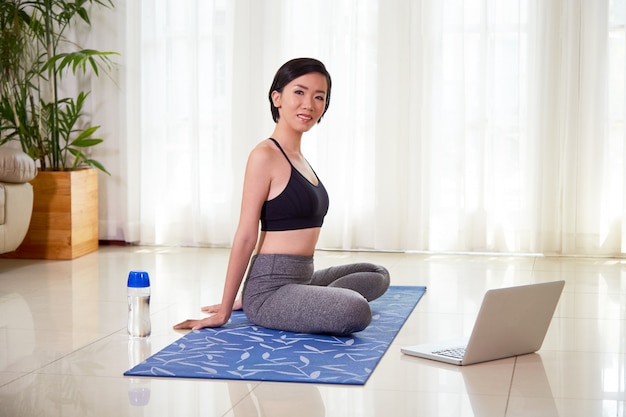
(302, 101)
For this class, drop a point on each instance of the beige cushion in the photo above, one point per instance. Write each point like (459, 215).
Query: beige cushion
(2, 199)
(16, 166)
(18, 209)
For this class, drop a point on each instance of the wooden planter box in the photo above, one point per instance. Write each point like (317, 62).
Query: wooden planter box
(64, 224)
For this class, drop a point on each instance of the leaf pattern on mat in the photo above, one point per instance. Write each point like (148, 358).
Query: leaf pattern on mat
(241, 350)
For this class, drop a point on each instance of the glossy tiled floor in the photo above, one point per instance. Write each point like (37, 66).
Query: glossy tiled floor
(63, 343)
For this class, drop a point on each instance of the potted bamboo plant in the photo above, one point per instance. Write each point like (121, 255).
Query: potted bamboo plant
(39, 64)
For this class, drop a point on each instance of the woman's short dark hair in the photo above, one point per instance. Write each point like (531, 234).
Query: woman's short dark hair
(290, 71)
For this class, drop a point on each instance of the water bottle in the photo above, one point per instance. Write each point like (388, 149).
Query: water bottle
(139, 304)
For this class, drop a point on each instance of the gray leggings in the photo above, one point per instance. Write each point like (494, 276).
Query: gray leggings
(284, 292)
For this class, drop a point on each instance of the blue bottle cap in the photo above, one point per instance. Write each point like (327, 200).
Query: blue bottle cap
(138, 279)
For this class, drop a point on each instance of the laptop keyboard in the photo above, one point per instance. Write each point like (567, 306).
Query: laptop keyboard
(457, 352)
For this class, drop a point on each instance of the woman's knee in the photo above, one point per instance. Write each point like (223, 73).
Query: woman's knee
(385, 277)
(384, 273)
(357, 316)
(381, 272)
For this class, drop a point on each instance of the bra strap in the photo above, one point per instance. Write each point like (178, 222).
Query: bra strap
(281, 149)
(289, 160)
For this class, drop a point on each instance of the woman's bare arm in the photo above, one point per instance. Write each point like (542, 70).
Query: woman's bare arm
(255, 191)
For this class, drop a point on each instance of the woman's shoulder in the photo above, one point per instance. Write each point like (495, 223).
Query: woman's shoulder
(264, 145)
(264, 151)
(262, 156)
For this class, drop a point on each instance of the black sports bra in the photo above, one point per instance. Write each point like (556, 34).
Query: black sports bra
(301, 205)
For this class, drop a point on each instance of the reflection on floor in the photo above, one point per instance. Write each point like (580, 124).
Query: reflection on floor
(63, 342)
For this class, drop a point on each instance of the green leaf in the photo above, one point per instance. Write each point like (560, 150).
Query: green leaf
(84, 15)
(98, 165)
(85, 134)
(85, 143)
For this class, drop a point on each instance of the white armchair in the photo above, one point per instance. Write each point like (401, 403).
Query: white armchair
(16, 195)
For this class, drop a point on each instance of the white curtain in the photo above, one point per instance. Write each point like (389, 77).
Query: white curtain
(454, 125)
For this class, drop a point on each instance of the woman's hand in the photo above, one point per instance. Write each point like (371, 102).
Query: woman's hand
(212, 321)
(216, 307)
(216, 320)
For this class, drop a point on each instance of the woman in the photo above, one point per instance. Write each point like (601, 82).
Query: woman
(281, 190)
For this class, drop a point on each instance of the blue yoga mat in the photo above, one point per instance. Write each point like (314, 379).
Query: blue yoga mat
(243, 351)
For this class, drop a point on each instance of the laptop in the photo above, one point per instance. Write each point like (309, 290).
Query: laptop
(511, 321)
